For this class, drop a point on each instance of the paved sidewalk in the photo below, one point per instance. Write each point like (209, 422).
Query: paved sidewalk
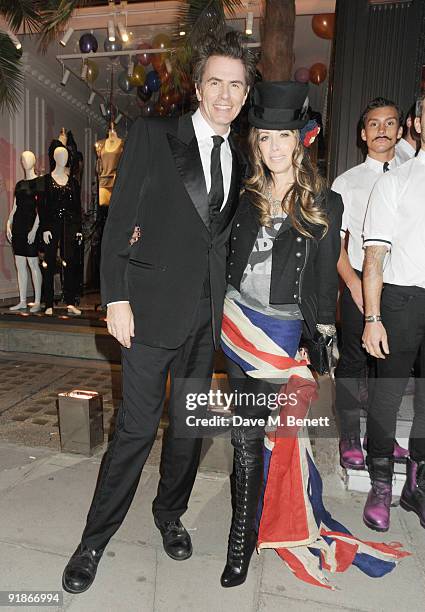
(44, 497)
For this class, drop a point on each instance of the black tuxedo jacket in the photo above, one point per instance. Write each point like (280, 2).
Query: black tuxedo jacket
(161, 187)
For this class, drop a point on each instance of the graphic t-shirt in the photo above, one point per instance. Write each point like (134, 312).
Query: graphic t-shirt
(255, 284)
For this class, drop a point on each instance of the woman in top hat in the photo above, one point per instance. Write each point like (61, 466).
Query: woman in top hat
(282, 283)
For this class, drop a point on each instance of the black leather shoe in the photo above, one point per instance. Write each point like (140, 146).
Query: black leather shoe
(80, 572)
(176, 540)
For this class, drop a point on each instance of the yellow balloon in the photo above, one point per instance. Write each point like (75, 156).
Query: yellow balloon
(92, 71)
(161, 41)
(138, 77)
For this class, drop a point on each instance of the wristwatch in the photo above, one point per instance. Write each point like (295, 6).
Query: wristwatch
(372, 318)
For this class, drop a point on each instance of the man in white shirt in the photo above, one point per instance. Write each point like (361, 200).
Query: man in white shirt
(394, 267)
(407, 146)
(178, 180)
(380, 129)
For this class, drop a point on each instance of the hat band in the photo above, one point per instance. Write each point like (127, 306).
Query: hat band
(278, 115)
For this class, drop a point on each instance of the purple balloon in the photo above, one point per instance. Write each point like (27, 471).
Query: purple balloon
(153, 81)
(302, 75)
(88, 43)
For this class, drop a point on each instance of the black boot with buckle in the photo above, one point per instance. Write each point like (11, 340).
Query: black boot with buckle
(248, 478)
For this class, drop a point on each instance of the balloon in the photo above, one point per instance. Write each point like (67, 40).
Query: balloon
(324, 25)
(124, 82)
(138, 76)
(175, 96)
(318, 73)
(143, 58)
(92, 71)
(161, 41)
(164, 75)
(302, 75)
(148, 110)
(160, 109)
(153, 81)
(144, 93)
(88, 43)
(157, 60)
(109, 46)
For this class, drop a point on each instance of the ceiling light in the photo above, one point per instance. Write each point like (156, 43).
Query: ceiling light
(65, 77)
(111, 31)
(91, 98)
(102, 109)
(118, 118)
(249, 23)
(123, 32)
(182, 33)
(130, 68)
(15, 40)
(66, 37)
(84, 71)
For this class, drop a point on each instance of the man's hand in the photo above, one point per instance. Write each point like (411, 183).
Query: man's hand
(47, 236)
(9, 231)
(375, 340)
(120, 322)
(356, 291)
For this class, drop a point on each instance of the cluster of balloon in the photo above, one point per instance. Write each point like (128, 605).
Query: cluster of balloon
(317, 73)
(88, 43)
(324, 25)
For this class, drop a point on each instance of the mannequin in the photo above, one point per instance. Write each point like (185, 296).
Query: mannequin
(61, 226)
(108, 153)
(22, 232)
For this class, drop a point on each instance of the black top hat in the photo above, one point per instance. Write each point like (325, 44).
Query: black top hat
(279, 105)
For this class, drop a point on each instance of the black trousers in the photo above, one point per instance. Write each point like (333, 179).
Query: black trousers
(403, 316)
(63, 235)
(353, 366)
(145, 370)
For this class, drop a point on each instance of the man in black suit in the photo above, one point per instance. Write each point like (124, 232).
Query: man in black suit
(178, 180)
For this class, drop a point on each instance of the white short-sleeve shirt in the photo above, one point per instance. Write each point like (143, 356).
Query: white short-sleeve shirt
(355, 187)
(395, 218)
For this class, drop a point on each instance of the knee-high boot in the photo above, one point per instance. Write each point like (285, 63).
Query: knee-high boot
(248, 478)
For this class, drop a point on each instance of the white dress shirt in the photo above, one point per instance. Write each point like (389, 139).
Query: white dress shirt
(396, 219)
(355, 187)
(204, 134)
(404, 151)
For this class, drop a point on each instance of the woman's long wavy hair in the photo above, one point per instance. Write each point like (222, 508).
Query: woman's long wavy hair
(302, 201)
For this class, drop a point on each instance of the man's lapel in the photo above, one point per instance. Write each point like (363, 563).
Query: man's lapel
(184, 148)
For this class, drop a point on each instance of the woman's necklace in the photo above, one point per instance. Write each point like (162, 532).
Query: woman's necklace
(275, 205)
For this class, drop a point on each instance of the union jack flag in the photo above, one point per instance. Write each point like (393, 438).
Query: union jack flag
(291, 516)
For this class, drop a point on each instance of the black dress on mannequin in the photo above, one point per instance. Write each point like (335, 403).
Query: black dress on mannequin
(26, 197)
(61, 215)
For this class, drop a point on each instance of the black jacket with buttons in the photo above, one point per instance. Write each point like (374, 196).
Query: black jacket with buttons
(303, 269)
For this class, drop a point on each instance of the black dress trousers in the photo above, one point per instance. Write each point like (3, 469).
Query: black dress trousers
(353, 365)
(145, 370)
(403, 316)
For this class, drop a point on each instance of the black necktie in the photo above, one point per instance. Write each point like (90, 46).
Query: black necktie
(386, 167)
(216, 193)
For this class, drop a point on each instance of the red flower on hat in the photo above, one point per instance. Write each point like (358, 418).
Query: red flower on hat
(310, 136)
